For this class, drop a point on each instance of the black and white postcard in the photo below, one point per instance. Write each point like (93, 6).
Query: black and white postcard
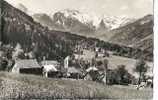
(76, 49)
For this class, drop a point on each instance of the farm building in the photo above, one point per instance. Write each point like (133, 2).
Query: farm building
(73, 72)
(51, 69)
(94, 74)
(50, 62)
(98, 71)
(27, 67)
(91, 73)
(92, 69)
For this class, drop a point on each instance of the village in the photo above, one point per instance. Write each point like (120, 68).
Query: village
(96, 65)
(56, 49)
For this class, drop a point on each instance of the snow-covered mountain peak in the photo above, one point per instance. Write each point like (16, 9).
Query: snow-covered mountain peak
(77, 21)
(113, 22)
(83, 17)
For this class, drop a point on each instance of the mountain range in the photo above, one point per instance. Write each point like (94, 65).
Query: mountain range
(138, 34)
(55, 41)
(85, 24)
(123, 30)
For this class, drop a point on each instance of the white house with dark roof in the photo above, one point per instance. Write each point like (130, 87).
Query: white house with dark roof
(51, 68)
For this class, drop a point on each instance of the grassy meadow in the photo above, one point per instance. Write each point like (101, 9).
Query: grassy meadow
(17, 86)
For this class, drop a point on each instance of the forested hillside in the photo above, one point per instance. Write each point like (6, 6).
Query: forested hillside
(20, 29)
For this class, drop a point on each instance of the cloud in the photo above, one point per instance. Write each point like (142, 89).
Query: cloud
(124, 7)
(144, 4)
(137, 8)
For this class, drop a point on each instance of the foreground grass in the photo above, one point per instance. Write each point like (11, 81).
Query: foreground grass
(29, 86)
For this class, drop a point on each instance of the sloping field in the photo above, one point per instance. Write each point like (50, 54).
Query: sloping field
(28, 86)
(114, 61)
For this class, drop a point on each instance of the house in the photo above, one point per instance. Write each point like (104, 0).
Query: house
(30, 66)
(50, 62)
(91, 69)
(48, 69)
(97, 71)
(95, 74)
(73, 72)
(91, 74)
(51, 69)
(102, 54)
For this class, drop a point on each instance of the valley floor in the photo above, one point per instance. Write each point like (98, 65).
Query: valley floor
(19, 86)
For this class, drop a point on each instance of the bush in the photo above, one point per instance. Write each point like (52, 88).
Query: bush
(119, 76)
(3, 64)
(141, 68)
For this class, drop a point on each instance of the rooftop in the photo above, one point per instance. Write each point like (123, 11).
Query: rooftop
(49, 62)
(73, 70)
(27, 63)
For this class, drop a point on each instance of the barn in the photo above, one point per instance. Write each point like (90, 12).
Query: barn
(51, 69)
(29, 66)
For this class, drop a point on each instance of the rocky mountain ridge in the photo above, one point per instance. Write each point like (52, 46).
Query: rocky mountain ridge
(82, 23)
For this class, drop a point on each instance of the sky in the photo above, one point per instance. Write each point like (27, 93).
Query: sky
(129, 8)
